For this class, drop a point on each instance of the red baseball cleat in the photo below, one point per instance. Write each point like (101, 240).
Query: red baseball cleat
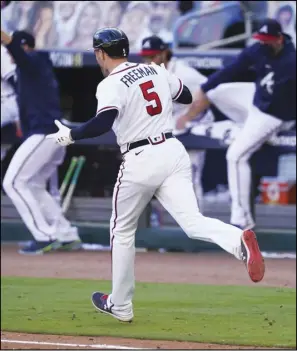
(252, 257)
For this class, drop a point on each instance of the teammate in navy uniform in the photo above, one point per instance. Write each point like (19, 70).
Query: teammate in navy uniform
(274, 60)
(37, 158)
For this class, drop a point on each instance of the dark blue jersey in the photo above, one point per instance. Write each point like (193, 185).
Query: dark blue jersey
(275, 78)
(37, 90)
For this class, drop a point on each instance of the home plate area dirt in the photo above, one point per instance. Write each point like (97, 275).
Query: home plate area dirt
(202, 268)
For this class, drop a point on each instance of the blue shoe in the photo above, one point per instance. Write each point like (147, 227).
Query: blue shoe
(100, 302)
(74, 245)
(39, 247)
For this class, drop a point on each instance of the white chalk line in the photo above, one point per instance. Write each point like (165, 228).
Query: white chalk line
(94, 346)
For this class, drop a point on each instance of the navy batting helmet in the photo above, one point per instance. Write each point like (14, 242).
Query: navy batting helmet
(113, 41)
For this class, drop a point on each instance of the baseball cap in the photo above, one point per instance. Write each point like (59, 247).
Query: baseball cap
(24, 38)
(269, 30)
(152, 46)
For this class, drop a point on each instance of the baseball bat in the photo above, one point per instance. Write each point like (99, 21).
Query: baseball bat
(68, 175)
(72, 186)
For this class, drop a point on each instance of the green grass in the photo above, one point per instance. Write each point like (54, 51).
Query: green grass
(217, 314)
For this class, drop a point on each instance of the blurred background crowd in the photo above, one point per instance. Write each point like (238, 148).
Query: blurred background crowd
(71, 24)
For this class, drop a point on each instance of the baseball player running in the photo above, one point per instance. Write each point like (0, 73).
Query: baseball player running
(9, 107)
(268, 104)
(37, 158)
(135, 100)
(155, 50)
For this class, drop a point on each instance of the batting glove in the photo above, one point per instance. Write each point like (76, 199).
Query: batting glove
(63, 136)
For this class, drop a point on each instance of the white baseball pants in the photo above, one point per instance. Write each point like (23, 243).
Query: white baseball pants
(25, 183)
(162, 170)
(197, 159)
(258, 128)
(235, 100)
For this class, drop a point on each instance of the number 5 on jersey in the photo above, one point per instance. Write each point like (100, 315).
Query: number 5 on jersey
(155, 108)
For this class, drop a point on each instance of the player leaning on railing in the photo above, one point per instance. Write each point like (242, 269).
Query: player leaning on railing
(273, 103)
(135, 100)
(37, 158)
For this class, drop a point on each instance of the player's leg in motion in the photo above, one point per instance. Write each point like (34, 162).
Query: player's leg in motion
(28, 160)
(54, 186)
(234, 100)
(131, 195)
(178, 198)
(197, 158)
(165, 171)
(258, 128)
(50, 207)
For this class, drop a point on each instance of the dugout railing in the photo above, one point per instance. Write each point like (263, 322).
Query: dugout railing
(194, 17)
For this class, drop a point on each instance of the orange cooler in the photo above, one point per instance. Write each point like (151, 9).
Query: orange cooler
(278, 191)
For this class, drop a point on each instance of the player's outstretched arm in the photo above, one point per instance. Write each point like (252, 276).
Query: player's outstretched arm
(21, 58)
(235, 71)
(232, 72)
(199, 105)
(95, 127)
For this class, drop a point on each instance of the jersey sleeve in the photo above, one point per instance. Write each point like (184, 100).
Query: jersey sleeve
(175, 83)
(7, 66)
(109, 97)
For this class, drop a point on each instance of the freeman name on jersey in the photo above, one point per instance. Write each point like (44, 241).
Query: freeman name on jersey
(135, 74)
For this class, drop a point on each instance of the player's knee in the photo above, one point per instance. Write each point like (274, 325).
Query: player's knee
(233, 156)
(237, 156)
(193, 225)
(7, 185)
(193, 233)
(12, 184)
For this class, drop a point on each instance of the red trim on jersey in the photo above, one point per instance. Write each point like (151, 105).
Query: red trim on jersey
(179, 90)
(265, 37)
(150, 52)
(106, 108)
(122, 70)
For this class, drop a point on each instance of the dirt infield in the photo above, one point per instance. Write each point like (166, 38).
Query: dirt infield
(80, 342)
(202, 268)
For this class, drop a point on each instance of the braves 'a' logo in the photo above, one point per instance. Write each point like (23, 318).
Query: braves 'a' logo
(268, 82)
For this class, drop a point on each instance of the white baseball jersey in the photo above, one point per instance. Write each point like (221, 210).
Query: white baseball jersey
(7, 70)
(143, 95)
(192, 79)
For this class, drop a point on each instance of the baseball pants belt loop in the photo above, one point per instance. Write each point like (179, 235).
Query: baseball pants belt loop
(127, 149)
(150, 140)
